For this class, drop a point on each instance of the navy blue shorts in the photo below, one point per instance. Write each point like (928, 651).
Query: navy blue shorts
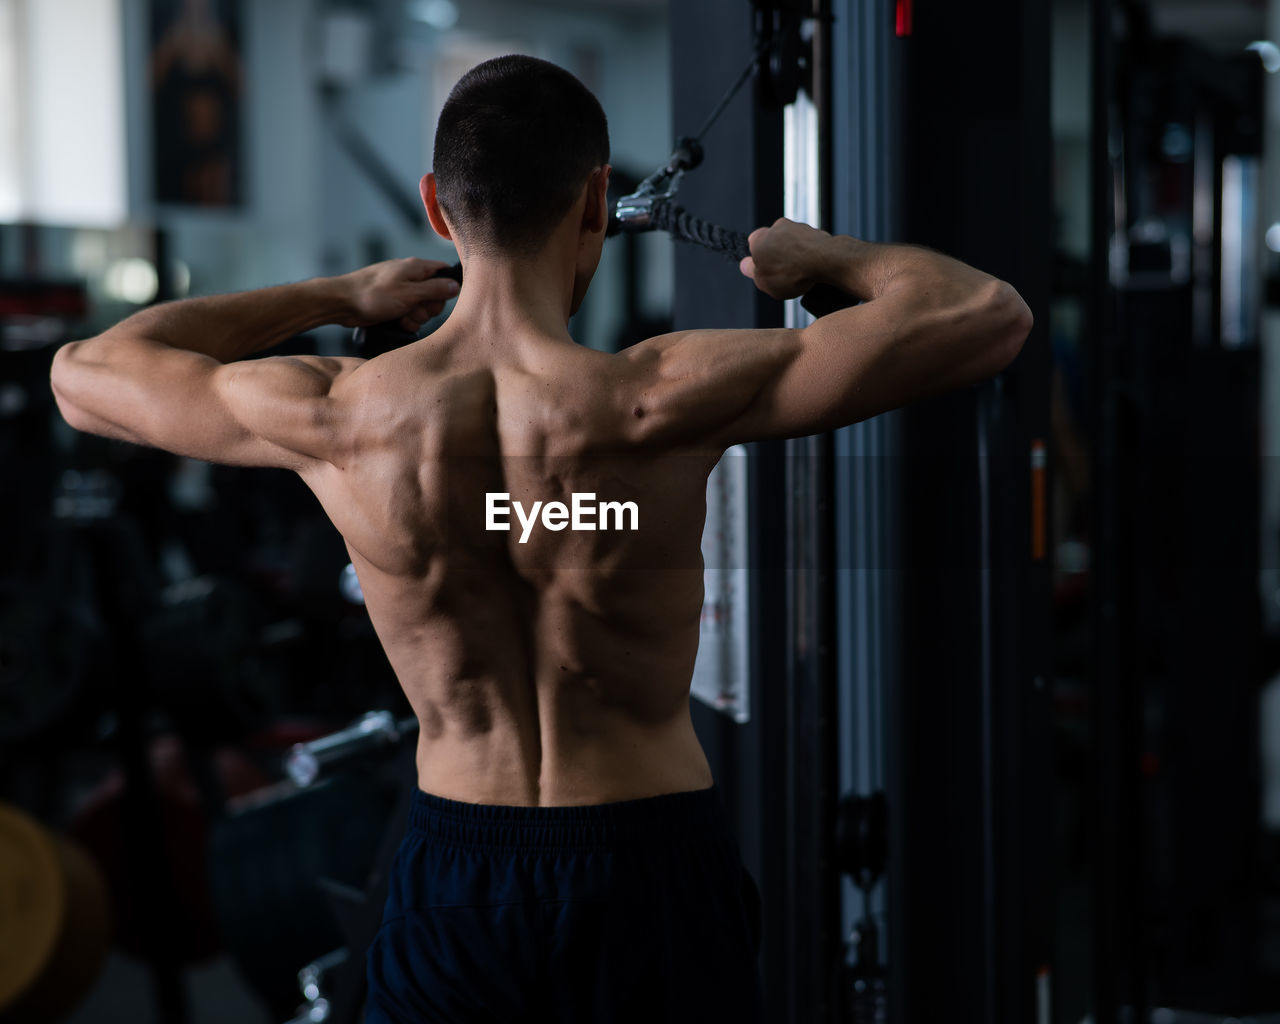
(632, 911)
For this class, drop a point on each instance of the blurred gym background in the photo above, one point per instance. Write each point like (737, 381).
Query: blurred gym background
(987, 683)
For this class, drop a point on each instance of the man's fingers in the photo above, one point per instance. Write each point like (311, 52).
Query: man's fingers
(420, 314)
(431, 295)
(409, 291)
(424, 311)
(421, 270)
(438, 289)
(748, 267)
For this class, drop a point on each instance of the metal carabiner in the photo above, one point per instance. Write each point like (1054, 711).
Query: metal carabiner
(634, 212)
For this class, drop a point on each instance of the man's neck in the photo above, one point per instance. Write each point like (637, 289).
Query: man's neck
(509, 299)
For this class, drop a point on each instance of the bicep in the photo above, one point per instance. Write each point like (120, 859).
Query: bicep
(260, 412)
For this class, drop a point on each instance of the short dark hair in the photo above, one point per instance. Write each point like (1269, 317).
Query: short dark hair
(516, 141)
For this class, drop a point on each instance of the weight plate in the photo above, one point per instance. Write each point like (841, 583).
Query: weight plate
(32, 902)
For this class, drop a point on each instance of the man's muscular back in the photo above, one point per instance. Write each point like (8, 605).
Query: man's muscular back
(552, 670)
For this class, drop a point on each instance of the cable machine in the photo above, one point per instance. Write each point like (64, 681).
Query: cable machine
(951, 715)
(970, 781)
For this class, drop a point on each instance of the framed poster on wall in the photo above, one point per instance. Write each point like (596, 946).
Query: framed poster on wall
(197, 84)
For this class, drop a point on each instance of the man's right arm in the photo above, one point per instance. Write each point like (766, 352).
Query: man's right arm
(927, 324)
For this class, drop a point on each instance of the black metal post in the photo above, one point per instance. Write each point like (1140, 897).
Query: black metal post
(971, 782)
(1116, 847)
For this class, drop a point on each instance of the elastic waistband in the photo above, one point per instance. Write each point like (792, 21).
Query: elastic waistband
(695, 815)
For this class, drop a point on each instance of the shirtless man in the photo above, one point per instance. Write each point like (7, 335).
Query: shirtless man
(567, 857)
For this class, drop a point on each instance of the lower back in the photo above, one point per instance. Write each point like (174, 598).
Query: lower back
(624, 761)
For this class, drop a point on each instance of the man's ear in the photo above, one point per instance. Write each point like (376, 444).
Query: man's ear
(427, 188)
(595, 215)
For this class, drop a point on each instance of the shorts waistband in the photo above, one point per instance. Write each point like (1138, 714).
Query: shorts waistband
(697, 814)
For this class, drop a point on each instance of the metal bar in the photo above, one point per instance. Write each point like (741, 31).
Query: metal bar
(1109, 949)
(813, 927)
(740, 183)
(370, 161)
(987, 697)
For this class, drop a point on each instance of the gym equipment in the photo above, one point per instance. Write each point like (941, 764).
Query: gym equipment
(202, 645)
(47, 651)
(311, 981)
(299, 880)
(186, 787)
(652, 205)
(367, 159)
(371, 731)
(862, 852)
(54, 922)
(52, 634)
(111, 574)
(276, 867)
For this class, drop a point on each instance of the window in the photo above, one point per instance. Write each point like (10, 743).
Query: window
(62, 121)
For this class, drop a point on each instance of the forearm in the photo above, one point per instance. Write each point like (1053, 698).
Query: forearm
(867, 270)
(158, 377)
(936, 297)
(230, 327)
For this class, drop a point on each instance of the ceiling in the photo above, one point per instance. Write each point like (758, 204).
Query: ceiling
(619, 6)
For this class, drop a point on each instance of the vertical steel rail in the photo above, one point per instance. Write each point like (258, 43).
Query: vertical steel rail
(866, 156)
(811, 686)
(1112, 926)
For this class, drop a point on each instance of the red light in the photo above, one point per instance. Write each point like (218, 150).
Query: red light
(904, 17)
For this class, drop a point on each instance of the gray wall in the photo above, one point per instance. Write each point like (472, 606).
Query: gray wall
(309, 210)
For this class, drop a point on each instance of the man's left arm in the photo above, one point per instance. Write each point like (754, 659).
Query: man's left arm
(175, 376)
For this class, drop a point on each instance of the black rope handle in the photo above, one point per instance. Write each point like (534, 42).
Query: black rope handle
(685, 227)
